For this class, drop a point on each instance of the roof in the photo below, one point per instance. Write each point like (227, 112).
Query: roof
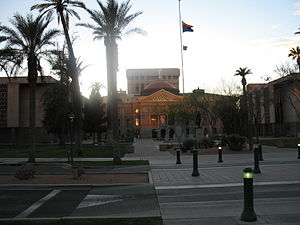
(157, 85)
(24, 80)
(295, 77)
(153, 71)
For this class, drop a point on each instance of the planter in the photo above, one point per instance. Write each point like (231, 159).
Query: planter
(236, 142)
(279, 144)
(164, 147)
(130, 149)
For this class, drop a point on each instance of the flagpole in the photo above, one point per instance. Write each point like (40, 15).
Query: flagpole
(181, 50)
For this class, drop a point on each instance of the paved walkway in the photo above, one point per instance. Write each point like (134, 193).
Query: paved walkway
(278, 165)
(178, 191)
(279, 168)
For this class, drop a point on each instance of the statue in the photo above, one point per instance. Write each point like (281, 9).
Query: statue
(198, 119)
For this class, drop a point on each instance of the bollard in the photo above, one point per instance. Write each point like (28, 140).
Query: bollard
(178, 156)
(248, 213)
(256, 161)
(298, 151)
(69, 160)
(220, 154)
(260, 153)
(195, 163)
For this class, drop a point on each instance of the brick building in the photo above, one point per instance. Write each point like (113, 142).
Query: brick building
(14, 109)
(276, 106)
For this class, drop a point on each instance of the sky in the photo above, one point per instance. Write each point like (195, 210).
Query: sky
(228, 34)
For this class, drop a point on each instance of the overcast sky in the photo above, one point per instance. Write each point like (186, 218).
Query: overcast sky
(228, 34)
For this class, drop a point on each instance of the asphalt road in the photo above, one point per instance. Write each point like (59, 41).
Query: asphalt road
(223, 205)
(78, 201)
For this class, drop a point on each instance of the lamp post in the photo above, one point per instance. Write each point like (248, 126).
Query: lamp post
(256, 161)
(71, 117)
(195, 163)
(260, 153)
(298, 151)
(248, 213)
(178, 156)
(220, 154)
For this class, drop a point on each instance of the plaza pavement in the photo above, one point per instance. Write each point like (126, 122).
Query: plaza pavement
(181, 195)
(165, 171)
(280, 168)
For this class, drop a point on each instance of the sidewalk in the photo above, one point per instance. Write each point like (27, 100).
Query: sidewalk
(278, 165)
(178, 190)
(181, 195)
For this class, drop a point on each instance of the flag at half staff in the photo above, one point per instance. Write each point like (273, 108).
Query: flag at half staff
(186, 27)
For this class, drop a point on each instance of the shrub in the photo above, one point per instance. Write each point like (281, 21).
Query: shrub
(25, 172)
(188, 144)
(78, 172)
(235, 142)
(205, 143)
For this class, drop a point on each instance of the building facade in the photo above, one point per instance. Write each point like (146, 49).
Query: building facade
(14, 109)
(138, 79)
(276, 106)
(143, 111)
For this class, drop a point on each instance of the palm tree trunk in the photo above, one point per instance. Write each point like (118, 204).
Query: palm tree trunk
(32, 132)
(76, 96)
(32, 77)
(112, 104)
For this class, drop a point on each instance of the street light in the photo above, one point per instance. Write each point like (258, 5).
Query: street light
(256, 161)
(248, 213)
(178, 156)
(195, 163)
(71, 117)
(220, 154)
(248, 173)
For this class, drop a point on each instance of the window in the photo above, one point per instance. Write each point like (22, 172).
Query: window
(137, 122)
(137, 88)
(3, 105)
(162, 120)
(154, 120)
(127, 123)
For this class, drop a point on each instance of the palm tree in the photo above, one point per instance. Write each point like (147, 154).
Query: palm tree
(61, 7)
(112, 22)
(247, 119)
(295, 54)
(8, 59)
(27, 41)
(243, 72)
(94, 112)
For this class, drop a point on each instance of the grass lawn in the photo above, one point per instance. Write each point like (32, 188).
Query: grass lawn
(283, 143)
(119, 221)
(110, 163)
(56, 151)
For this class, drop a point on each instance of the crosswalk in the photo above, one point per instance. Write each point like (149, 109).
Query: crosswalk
(72, 202)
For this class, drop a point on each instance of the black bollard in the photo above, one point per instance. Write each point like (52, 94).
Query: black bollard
(256, 161)
(220, 154)
(248, 213)
(69, 153)
(260, 153)
(178, 156)
(298, 151)
(195, 163)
